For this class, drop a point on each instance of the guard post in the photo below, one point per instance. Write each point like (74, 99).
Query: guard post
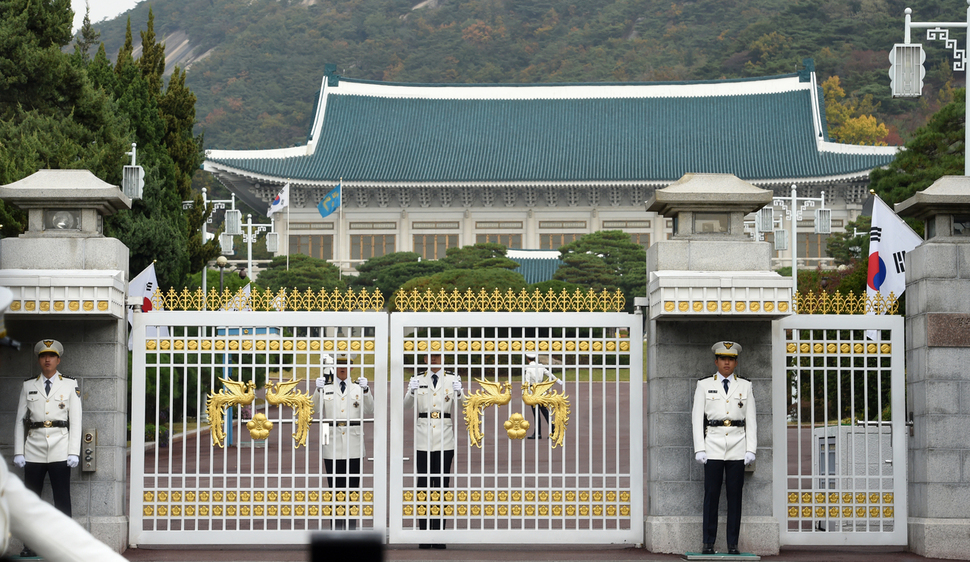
(709, 282)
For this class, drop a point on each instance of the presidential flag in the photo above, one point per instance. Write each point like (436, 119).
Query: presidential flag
(282, 199)
(143, 285)
(330, 202)
(889, 240)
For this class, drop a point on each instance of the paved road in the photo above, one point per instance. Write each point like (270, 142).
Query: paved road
(523, 554)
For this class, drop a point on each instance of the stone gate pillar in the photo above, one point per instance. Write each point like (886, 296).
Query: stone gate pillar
(710, 282)
(69, 283)
(938, 370)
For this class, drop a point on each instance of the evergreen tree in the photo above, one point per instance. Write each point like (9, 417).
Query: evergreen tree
(300, 273)
(935, 150)
(87, 37)
(51, 116)
(368, 271)
(462, 280)
(152, 59)
(605, 260)
(479, 256)
(126, 50)
(158, 229)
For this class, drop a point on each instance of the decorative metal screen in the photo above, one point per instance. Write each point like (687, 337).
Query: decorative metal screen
(839, 429)
(232, 453)
(581, 484)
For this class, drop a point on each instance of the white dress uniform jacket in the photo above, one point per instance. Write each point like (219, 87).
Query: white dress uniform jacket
(49, 444)
(345, 413)
(434, 432)
(727, 443)
(49, 532)
(535, 373)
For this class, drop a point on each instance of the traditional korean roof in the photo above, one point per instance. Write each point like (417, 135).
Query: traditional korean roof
(766, 130)
(535, 265)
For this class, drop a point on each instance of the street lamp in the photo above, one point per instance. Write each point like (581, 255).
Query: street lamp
(906, 64)
(233, 218)
(794, 206)
(222, 262)
(251, 236)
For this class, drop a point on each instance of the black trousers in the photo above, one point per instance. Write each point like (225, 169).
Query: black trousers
(731, 473)
(343, 473)
(545, 414)
(60, 473)
(438, 465)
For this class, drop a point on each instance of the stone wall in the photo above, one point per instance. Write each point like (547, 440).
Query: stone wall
(679, 353)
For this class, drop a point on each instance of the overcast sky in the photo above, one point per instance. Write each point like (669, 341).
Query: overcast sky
(100, 9)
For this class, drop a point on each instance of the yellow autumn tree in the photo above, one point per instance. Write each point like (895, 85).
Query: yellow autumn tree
(850, 120)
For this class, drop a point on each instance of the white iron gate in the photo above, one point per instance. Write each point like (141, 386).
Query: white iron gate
(839, 430)
(505, 488)
(248, 469)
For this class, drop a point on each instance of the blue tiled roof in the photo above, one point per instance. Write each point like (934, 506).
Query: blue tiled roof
(536, 270)
(371, 138)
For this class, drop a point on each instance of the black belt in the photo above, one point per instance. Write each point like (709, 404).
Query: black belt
(344, 424)
(725, 423)
(435, 415)
(49, 423)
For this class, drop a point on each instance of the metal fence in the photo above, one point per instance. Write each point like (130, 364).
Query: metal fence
(221, 406)
(581, 484)
(232, 454)
(839, 430)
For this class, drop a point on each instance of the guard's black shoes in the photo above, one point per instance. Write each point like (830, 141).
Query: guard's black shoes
(708, 549)
(424, 546)
(733, 549)
(439, 546)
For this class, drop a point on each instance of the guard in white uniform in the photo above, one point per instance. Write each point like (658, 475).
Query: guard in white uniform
(535, 374)
(725, 439)
(434, 393)
(47, 435)
(25, 516)
(344, 404)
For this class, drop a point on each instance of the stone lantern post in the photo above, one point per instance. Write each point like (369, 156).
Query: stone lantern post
(69, 283)
(937, 378)
(709, 282)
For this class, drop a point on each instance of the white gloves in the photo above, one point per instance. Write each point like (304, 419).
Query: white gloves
(748, 458)
(413, 384)
(20, 461)
(701, 457)
(321, 382)
(362, 382)
(72, 461)
(560, 382)
(456, 386)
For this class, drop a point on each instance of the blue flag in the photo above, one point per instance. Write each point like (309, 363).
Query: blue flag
(330, 202)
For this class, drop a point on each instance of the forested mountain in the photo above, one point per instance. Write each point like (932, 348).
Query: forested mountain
(263, 59)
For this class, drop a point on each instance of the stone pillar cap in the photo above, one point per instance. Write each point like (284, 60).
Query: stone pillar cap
(65, 189)
(949, 195)
(709, 192)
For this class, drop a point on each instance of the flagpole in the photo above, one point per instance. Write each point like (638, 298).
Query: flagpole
(340, 201)
(205, 266)
(287, 227)
(794, 243)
